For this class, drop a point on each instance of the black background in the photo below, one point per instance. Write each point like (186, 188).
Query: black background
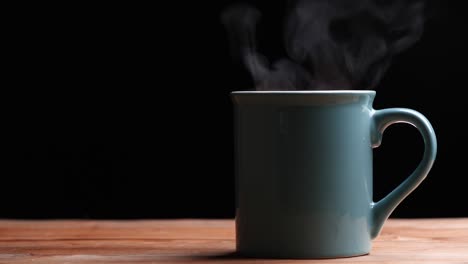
(122, 111)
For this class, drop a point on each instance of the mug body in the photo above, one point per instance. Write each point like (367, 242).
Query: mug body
(303, 173)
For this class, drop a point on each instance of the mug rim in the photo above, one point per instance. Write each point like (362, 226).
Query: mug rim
(285, 92)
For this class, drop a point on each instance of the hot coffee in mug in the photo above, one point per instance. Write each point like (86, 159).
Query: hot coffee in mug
(304, 171)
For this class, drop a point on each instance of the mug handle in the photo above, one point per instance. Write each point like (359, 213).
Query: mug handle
(380, 120)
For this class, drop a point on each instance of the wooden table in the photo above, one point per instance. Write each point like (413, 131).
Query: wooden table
(208, 241)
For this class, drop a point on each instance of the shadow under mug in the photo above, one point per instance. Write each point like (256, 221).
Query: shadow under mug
(304, 172)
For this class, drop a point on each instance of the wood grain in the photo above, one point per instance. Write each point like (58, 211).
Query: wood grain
(208, 241)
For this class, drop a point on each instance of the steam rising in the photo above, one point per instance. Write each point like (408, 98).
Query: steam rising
(331, 44)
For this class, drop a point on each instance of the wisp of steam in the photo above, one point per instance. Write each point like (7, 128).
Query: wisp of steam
(330, 44)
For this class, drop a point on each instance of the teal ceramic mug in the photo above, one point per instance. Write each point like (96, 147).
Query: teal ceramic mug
(304, 172)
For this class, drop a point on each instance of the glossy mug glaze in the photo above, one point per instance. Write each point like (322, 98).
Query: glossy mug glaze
(304, 172)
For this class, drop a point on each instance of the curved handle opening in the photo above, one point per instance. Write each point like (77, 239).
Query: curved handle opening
(381, 119)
